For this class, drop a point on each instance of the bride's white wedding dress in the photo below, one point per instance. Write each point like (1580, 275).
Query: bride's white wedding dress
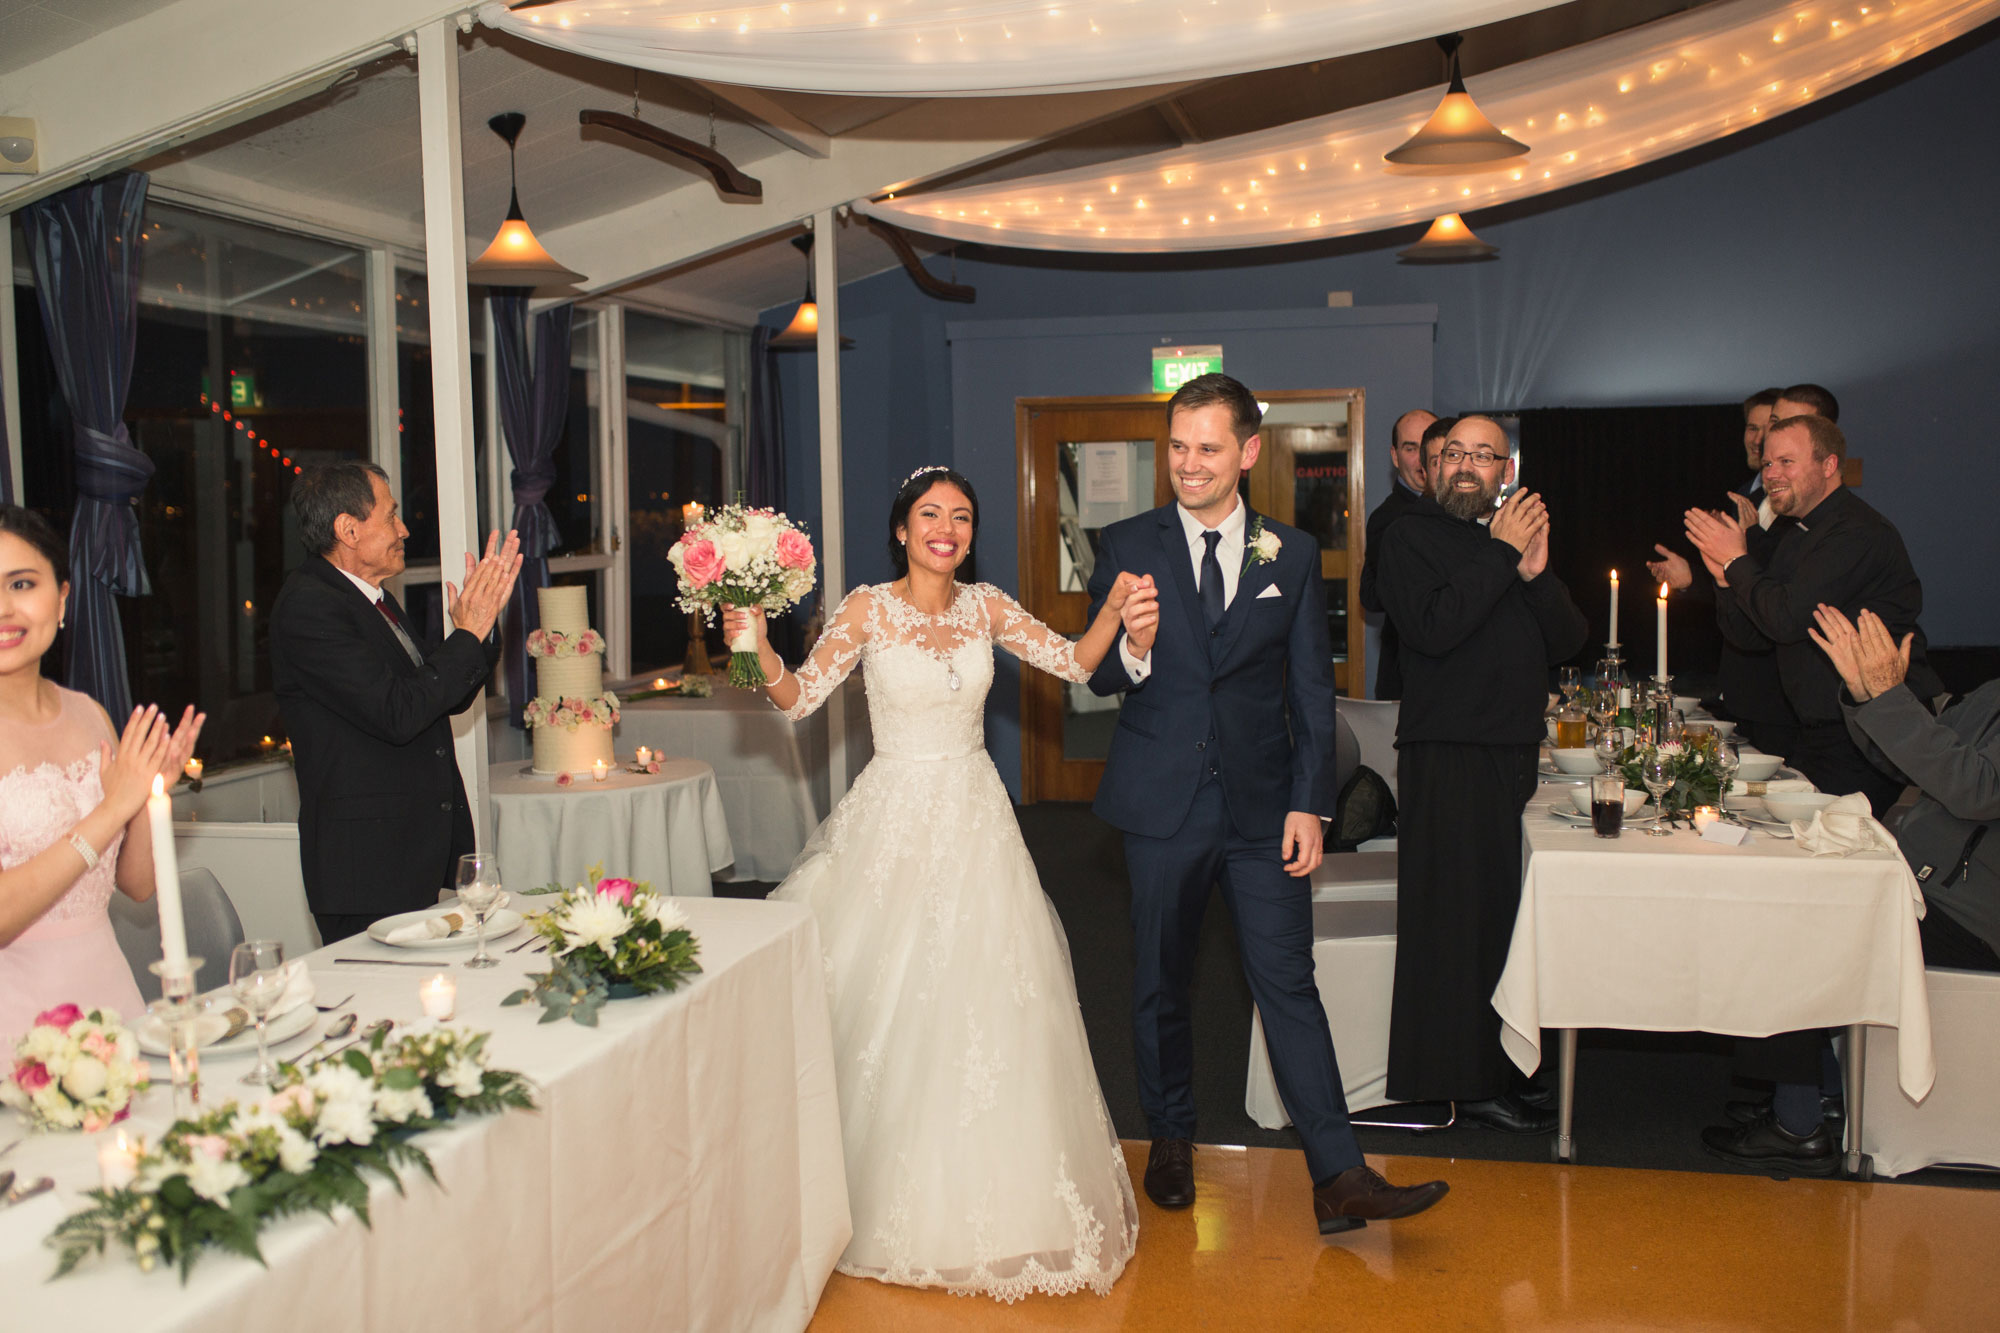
(980, 1156)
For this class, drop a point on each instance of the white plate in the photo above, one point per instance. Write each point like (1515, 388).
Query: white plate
(498, 927)
(213, 1023)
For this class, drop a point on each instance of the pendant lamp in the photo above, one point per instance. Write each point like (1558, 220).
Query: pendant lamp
(1458, 134)
(516, 258)
(803, 331)
(1448, 239)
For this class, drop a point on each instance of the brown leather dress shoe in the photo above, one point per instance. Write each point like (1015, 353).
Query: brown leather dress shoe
(1359, 1195)
(1170, 1173)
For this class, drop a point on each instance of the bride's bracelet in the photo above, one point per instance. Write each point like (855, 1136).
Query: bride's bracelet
(780, 676)
(83, 849)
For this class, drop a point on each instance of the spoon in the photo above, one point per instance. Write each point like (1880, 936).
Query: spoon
(6, 1183)
(340, 1027)
(42, 1186)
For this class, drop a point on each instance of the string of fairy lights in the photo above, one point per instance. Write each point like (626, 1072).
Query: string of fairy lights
(229, 416)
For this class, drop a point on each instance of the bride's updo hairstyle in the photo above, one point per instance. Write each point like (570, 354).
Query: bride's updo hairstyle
(913, 489)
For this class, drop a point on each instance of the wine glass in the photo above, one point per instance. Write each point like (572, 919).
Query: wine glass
(1569, 680)
(479, 889)
(1657, 772)
(1727, 760)
(257, 978)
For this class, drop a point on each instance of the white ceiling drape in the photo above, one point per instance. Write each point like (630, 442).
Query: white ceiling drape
(948, 48)
(1586, 112)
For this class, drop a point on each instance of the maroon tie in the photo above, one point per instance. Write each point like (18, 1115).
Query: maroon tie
(388, 612)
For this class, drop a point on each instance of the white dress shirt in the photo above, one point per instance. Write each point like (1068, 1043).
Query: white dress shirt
(375, 595)
(1228, 551)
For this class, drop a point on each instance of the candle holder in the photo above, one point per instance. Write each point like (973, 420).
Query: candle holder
(176, 1012)
(697, 662)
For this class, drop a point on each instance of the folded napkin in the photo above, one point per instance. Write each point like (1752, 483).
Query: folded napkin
(1741, 788)
(1843, 828)
(439, 926)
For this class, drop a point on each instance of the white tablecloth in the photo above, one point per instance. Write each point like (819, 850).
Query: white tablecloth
(1681, 935)
(667, 829)
(684, 1170)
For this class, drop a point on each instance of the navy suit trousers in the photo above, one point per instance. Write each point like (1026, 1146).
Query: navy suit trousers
(1273, 916)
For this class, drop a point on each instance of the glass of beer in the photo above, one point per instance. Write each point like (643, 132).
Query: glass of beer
(1572, 729)
(1607, 804)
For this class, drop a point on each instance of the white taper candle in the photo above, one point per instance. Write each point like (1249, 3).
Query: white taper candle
(167, 875)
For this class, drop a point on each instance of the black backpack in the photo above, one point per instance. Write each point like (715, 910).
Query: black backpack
(1365, 809)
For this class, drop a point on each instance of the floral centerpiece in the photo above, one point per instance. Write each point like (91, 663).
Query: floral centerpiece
(609, 940)
(743, 557)
(215, 1181)
(75, 1070)
(1691, 763)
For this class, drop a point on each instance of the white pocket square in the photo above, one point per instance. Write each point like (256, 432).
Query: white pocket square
(1271, 591)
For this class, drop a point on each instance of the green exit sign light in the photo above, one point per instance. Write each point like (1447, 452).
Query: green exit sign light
(242, 388)
(1175, 366)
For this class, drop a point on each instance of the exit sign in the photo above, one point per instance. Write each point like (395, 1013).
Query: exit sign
(242, 388)
(1175, 366)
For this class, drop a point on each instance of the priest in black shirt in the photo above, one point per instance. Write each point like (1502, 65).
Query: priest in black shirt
(1481, 621)
(1839, 552)
(1406, 455)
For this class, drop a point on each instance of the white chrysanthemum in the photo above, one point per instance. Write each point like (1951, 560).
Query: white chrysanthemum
(400, 1104)
(345, 1110)
(296, 1152)
(1669, 749)
(464, 1077)
(599, 920)
(664, 910)
(213, 1178)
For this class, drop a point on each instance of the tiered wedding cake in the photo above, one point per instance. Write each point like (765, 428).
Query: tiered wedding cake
(571, 714)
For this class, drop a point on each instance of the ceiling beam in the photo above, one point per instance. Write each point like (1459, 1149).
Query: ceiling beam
(917, 142)
(766, 115)
(187, 70)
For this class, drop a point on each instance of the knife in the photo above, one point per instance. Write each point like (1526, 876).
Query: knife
(386, 962)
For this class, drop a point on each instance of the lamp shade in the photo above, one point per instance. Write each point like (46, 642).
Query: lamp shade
(1448, 239)
(1458, 134)
(803, 331)
(517, 259)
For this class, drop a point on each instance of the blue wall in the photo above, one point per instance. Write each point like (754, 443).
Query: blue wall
(1851, 246)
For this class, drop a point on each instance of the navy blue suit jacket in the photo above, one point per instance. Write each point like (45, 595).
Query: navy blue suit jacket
(1261, 687)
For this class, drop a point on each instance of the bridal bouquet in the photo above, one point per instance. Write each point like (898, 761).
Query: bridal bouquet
(609, 940)
(743, 557)
(215, 1181)
(75, 1070)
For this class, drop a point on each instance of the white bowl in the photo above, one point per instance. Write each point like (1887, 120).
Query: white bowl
(1757, 767)
(1579, 763)
(1790, 805)
(1723, 730)
(1687, 703)
(1579, 797)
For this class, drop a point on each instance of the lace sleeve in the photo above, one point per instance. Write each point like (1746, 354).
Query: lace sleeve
(1028, 638)
(833, 658)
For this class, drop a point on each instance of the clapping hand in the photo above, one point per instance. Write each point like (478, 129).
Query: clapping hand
(1719, 539)
(127, 776)
(1869, 660)
(1519, 520)
(1746, 512)
(1136, 599)
(488, 584)
(1671, 569)
(180, 747)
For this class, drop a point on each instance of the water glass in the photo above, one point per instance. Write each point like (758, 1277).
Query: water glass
(1656, 770)
(1607, 804)
(257, 978)
(478, 889)
(1727, 760)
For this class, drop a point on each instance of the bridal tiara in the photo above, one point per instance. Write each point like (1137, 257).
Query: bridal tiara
(928, 467)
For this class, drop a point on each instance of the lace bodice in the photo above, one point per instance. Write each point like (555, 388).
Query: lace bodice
(49, 781)
(926, 675)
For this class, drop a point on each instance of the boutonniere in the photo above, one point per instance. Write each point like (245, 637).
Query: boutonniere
(1260, 547)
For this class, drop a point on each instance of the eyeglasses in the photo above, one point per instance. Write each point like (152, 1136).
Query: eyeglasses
(1479, 457)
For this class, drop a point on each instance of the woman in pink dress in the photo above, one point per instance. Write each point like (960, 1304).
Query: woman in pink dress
(67, 802)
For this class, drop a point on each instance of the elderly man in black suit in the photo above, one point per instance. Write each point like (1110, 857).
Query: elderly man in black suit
(368, 699)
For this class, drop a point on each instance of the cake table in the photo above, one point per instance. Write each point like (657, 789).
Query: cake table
(665, 828)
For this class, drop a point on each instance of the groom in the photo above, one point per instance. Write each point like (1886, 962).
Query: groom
(1221, 768)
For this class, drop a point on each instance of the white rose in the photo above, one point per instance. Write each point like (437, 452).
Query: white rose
(295, 1151)
(465, 1078)
(85, 1078)
(213, 1178)
(735, 548)
(1268, 544)
(400, 1104)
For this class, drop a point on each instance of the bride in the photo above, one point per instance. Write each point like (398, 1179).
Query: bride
(980, 1156)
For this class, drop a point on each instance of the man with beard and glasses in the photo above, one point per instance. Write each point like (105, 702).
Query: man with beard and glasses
(1411, 483)
(1482, 621)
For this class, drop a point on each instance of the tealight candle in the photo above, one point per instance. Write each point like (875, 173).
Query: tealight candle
(598, 770)
(1704, 815)
(645, 755)
(659, 682)
(117, 1162)
(193, 769)
(439, 996)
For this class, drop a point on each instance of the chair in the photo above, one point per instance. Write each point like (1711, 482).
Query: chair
(1956, 1124)
(213, 931)
(1374, 725)
(1354, 966)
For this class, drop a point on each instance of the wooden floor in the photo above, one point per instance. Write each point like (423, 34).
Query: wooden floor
(1515, 1246)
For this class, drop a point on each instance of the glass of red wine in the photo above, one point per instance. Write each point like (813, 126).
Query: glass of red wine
(1607, 804)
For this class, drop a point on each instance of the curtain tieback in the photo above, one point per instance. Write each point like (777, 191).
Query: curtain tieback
(108, 468)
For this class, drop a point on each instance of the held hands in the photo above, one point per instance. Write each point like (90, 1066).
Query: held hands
(1671, 569)
(488, 584)
(1302, 847)
(1136, 600)
(143, 750)
(1519, 521)
(1868, 658)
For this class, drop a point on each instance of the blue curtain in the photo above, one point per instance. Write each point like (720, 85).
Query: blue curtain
(764, 479)
(534, 404)
(84, 246)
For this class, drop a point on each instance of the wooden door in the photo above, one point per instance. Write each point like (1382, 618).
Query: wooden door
(1084, 463)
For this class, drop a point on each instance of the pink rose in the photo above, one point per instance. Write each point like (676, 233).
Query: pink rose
(621, 889)
(702, 563)
(295, 1100)
(653, 767)
(59, 1017)
(214, 1145)
(96, 1046)
(31, 1075)
(795, 549)
(563, 779)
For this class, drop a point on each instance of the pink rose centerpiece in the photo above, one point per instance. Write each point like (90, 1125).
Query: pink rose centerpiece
(610, 939)
(738, 556)
(75, 1069)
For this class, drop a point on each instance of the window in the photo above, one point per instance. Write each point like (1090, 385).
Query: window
(415, 447)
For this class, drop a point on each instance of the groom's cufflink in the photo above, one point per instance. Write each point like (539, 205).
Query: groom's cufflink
(1271, 591)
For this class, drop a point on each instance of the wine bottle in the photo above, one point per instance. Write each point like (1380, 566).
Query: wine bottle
(1627, 724)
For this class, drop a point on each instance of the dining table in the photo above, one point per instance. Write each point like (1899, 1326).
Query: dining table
(1678, 933)
(666, 828)
(682, 1168)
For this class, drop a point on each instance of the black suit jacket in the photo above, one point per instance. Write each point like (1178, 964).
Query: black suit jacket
(382, 812)
(1388, 660)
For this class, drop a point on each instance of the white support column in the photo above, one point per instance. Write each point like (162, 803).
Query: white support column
(613, 487)
(385, 443)
(832, 524)
(451, 356)
(10, 370)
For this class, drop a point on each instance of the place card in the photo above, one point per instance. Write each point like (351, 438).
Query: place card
(1729, 835)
